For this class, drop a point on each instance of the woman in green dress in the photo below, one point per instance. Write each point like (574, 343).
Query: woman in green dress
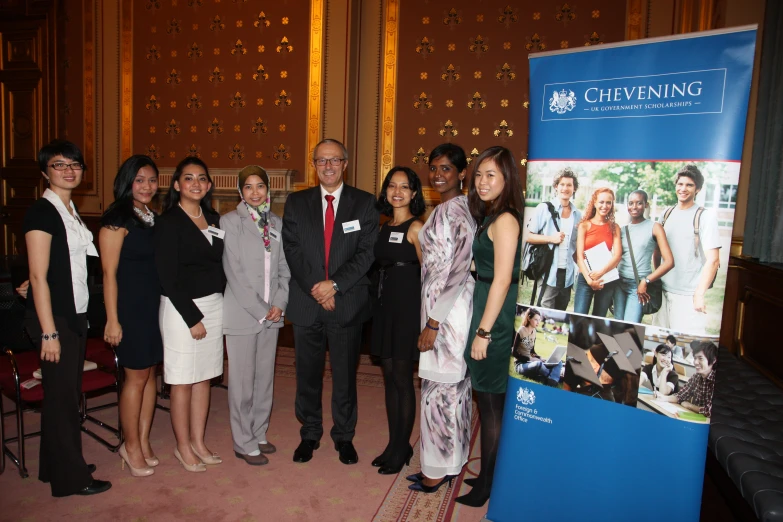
(496, 202)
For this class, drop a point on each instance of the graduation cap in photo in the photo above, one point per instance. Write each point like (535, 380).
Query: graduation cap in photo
(630, 348)
(611, 355)
(578, 368)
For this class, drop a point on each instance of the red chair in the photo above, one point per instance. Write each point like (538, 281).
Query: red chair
(18, 368)
(14, 370)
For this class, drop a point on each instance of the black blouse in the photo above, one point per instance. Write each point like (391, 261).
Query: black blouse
(43, 216)
(188, 266)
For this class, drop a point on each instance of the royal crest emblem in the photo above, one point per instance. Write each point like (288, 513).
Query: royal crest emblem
(562, 102)
(526, 396)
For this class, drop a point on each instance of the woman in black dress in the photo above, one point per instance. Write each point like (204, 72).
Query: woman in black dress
(58, 244)
(131, 292)
(395, 327)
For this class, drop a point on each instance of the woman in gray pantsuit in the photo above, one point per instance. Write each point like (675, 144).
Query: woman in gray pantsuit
(255, 299)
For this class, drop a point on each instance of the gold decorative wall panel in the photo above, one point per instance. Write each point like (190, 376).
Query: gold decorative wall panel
(462, 71)
(315, 92)
(389, 88)
(225, 81)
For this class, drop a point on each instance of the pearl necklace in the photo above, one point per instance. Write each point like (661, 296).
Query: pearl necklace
(146, 215)
(200, 211)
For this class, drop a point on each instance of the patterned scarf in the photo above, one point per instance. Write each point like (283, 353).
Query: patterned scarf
(260, 216)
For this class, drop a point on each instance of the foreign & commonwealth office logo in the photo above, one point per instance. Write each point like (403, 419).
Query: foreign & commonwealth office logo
(562, 102)
(526, 396)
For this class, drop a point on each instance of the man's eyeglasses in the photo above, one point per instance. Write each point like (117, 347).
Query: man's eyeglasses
(334, 161)
(76, 167)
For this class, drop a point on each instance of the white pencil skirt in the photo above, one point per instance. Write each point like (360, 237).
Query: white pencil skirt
(185, 360)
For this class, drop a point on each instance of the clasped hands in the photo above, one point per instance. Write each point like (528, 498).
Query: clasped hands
(323, 292)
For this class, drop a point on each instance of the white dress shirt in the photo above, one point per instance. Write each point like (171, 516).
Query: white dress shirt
(337, 193)
(80, 246)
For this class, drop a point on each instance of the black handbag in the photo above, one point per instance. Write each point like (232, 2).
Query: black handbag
(654, 288)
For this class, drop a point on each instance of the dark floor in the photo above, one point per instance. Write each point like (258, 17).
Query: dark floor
(713, 505)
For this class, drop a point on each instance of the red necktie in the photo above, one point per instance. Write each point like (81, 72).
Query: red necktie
(328, 228)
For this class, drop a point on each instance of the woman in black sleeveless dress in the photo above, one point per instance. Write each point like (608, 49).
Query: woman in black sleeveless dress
(131, 292)
(395, 327)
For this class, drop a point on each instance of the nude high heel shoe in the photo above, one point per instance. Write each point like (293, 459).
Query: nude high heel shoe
(196, 468)
(135, 472)
(154, 461)
(211, 460)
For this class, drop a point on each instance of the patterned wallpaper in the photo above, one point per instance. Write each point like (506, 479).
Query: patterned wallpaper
(463, 68)
(224, 80)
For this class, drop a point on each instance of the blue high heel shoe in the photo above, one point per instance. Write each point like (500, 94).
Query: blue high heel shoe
(416, 477)
(418, 486)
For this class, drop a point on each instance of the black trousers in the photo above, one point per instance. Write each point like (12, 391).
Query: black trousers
(61, 463)
(310, 346)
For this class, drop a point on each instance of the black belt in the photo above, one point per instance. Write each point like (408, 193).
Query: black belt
(488, 280)
(382, 272)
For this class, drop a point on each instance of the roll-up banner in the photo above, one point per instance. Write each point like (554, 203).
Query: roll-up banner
(633, 167)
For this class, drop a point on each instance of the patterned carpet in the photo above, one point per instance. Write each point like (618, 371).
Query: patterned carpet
(322, 490)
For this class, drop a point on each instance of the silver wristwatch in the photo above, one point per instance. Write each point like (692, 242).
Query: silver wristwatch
(336, 288)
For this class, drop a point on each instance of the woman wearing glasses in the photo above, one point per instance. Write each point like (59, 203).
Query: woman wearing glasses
(131, 292)
(58, 244)
(188, 254)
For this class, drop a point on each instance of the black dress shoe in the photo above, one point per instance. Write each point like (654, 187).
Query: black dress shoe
(392, 469)
(304, 452)
(91, 468)
(347, 452)
(95, 487)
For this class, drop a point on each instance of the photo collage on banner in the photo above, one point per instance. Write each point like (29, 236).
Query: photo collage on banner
(626, 246)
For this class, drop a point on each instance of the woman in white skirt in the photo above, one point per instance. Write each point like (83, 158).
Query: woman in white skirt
(188, 256)
(256, 297)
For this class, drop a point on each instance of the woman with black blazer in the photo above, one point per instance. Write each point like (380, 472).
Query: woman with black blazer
(188, 253)
(58, 244)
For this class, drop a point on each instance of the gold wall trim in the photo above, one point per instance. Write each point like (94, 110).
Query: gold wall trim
(89, 92)
(389, 87)
(315, 82)
(637, 14)
(126, 77)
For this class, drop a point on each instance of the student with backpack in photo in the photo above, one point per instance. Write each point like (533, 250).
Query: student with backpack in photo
(692, 232)
(551, 244)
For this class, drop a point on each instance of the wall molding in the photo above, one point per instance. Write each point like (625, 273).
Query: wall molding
(315, 89)
(389, 87)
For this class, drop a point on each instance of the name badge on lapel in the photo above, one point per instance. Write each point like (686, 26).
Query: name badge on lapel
(215, 231)
(274, 234)
(351, 226)
(395, 237)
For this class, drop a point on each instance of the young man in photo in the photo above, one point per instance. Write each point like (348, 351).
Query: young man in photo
(660, 375)
(696, 394)
(671, 342)
(556, 286)
(695, 255)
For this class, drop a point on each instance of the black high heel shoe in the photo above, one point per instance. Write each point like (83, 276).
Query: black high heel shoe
(381, 459)
(416, 477)
(471, 481)
(475, 498)
(418, 486)
(387, 469)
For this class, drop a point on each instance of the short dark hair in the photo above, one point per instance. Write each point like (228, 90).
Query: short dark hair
(670, 338)
(172, 196)
(709, 349)
(693, 172)
(417, 201)
(511, 197)
(63, 148)
(566, 173)
(120, 213)
(454, 153)
(646, 199)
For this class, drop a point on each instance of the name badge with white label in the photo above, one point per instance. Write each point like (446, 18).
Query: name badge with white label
(351, 226)
(215, 231)
(396, 237)
(274, 234)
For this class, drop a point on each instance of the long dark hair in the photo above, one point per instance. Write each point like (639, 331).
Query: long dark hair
(417, 201)
(172, 196)
(120, 213)
(510, 199)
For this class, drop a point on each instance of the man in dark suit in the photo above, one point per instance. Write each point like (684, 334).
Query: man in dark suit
(329, 233)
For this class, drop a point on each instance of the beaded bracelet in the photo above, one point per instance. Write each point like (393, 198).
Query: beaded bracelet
(52, 336)
(436, 328)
